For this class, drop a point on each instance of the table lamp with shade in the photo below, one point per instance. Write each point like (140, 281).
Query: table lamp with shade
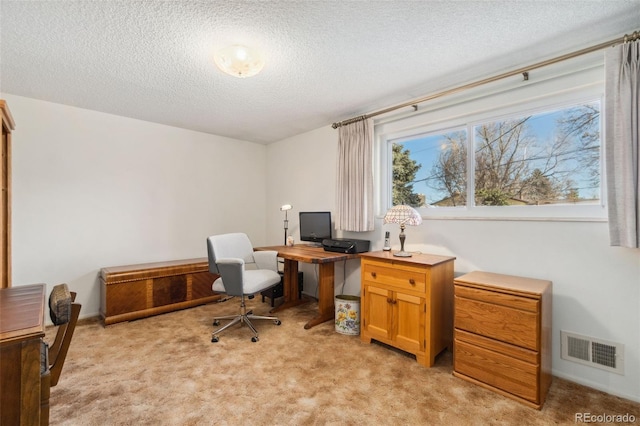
(404, 215)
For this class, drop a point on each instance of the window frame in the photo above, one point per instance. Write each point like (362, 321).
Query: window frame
(556, 87)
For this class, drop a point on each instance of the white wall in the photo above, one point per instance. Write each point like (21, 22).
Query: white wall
(301, 172)
(596, 288)
(92, 190)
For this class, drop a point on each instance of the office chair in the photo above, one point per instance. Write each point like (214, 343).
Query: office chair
(243, 272)
(64, 313)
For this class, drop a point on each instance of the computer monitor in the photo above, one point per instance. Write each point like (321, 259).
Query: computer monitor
(315, 226)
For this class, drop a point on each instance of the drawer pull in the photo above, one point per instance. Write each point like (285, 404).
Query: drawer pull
(412, 281)
(373, 274)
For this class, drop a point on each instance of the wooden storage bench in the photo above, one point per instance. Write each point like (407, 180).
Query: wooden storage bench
(137, 291)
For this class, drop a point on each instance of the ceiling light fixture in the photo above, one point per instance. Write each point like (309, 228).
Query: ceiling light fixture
(239, 61)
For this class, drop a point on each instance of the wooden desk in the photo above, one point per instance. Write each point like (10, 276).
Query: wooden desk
(21, 333)
(309, 254)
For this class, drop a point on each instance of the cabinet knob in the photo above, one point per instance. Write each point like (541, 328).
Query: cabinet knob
(389, 300)
(373, 274)
(412, 281)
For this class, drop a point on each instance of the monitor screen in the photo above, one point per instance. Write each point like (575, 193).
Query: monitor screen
(315, 226)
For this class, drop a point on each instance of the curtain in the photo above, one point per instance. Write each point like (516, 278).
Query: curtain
(355, 177)
(622, 121)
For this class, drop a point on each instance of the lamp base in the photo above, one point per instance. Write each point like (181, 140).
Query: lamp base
(402, 254)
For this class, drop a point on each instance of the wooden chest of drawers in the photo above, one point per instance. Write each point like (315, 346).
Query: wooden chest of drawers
(502, 334)
(407, 302)
(137, 291)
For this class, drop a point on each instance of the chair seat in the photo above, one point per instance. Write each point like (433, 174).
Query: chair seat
(254, 281)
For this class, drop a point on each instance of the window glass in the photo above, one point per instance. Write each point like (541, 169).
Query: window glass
(430, 170)
(547, 158)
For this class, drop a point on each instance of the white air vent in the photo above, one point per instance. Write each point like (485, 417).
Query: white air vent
(591, 351)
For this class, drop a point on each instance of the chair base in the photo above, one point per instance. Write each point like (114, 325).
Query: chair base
(243, 318)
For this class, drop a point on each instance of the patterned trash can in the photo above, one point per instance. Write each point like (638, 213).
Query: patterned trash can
(347, 314)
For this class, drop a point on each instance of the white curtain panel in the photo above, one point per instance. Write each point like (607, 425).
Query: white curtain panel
(622, 122)
(355, 177)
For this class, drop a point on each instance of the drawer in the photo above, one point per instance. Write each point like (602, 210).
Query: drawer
(498, 298)
(526, 355)
(516, 326)
(500, 371)
(402, 278)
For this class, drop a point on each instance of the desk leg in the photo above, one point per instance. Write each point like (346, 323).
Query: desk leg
(325, 295)
(291, 297)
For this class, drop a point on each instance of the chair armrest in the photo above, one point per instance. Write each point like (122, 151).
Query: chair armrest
(231, 271)
(266, 259)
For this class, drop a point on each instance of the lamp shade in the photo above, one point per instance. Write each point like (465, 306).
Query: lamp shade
(239, 61)
(404, 215)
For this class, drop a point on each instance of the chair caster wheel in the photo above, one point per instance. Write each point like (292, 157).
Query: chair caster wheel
(277, 322)
(254, 339)
(215, 339)
(216, 323)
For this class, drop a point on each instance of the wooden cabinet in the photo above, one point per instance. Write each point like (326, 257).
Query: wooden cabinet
(502, 336)
(137, 291)
(7, 125)
(23, 394)
(407, 302)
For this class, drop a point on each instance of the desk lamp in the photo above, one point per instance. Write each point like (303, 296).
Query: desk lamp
(285, 208)
(404, 215)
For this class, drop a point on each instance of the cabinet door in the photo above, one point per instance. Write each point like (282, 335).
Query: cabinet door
(377, 311)
(409, 322)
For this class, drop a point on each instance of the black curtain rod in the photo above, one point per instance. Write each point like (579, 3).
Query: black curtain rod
(524, 70)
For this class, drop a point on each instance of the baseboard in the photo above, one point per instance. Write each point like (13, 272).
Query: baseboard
(596, 386)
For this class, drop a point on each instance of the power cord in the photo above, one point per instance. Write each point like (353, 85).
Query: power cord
(344, 275)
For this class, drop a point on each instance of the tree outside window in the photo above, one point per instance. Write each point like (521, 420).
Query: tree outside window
(541, 159)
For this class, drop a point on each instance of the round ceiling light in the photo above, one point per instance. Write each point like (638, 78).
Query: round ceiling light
(239, 61)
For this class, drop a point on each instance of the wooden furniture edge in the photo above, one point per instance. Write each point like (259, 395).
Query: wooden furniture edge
(6, 115)
(36, 329)
(130, 316)
(499, 391)
(517, 285)
(135, 272)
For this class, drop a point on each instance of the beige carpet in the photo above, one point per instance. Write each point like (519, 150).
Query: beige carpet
(164, 370)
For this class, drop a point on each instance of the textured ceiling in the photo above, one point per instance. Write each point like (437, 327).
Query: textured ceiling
(326, 60)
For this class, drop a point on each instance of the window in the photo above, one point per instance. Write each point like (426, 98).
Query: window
(539, 156)
(547, 158)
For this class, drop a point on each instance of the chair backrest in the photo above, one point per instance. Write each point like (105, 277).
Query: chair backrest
(64, 313)
(235, 245)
